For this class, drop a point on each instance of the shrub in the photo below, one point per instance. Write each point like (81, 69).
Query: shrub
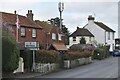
(44, 56)
(10, 53)
(82, 41)
(76, 55)
(103, 52)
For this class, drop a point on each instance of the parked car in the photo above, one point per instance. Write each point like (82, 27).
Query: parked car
(116, 53)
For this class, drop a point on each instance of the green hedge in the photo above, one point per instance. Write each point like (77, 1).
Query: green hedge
(10, 53)
(45, 56)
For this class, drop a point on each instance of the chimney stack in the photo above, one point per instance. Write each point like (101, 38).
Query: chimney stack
(15, 12)
(90, 18)
(30, 15)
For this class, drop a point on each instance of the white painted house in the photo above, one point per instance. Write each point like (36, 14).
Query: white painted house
(76, 36)
(103, 34)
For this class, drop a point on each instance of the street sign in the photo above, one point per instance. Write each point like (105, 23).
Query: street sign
(32, 45)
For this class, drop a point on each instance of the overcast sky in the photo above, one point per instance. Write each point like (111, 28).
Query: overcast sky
(75, 13)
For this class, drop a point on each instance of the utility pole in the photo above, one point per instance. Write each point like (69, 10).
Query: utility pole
(60, 7)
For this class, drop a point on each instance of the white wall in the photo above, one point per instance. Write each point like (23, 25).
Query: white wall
(98, 32)
(71, 42)
(110, 42)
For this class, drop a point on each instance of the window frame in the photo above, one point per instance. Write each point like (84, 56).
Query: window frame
(59, 37)
(74, 38)
(53, 36)
(34, 33)
(108, 36)
(22, 31)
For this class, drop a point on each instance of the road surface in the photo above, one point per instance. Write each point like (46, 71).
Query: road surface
(107, 68)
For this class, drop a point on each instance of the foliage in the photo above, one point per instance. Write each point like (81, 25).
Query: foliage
(45, 56)
(10, 53)
(76, 55)
(82, 41)
(81, 47)
(56, 21)
(101, 52)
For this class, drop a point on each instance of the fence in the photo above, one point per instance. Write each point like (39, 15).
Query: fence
(46, 68)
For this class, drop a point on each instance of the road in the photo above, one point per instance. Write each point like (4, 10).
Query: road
(107, 68)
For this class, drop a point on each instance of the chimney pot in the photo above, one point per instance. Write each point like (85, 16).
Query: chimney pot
(15, 12)
(90, 17)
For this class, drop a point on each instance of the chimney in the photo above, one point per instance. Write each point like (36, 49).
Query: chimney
(15, 12)
(77, 27)
(90, 19)
(30, 15)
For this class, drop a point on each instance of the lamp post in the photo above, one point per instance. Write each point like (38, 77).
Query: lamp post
(60, 7)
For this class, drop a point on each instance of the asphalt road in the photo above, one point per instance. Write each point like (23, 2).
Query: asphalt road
(107, 68)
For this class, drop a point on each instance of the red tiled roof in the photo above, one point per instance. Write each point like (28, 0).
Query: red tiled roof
(47, 27)
(59, 46)
(10, 18)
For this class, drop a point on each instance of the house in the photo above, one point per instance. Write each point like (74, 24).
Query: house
(103, 34)
(29, 31)
(54, 36)
(30, 34)
(80, 33)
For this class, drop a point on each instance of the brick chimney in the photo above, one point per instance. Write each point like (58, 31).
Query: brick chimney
(90, 19)
(30, 15)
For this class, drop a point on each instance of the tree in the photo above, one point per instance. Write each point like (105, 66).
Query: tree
(82, 41)
(10, 52)
(56, 21)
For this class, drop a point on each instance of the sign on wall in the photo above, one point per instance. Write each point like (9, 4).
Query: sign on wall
(32, 45)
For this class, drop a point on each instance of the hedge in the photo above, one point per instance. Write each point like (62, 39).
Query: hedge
(44, 56)
(76, 55)
(10, 53)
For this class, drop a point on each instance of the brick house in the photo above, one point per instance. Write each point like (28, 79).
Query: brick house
(29, 31)
(54, 35)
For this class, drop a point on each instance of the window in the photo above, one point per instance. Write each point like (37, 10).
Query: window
(89, 38)
(74, 38)
(59, 36)
(113, 35)
(33, 33)
(22, 31)
(108, 35)
(53, 36)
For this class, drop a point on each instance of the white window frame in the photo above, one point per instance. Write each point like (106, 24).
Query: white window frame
(74, 38)
(59, 36)
(53, 36)
(34, 33)
(22, 29)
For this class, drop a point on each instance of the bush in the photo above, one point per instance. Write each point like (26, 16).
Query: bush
(76, 55)
(44, 56)
(103, 52)
(10, 53)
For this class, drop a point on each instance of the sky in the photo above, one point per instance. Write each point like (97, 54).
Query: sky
(75, 12)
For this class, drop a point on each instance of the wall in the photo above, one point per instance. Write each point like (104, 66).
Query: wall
(28, 36)
(98, 32)
(110, 42)
(78, 38)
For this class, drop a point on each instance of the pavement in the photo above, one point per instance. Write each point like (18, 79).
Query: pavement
(107, 68)
(23, 75)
